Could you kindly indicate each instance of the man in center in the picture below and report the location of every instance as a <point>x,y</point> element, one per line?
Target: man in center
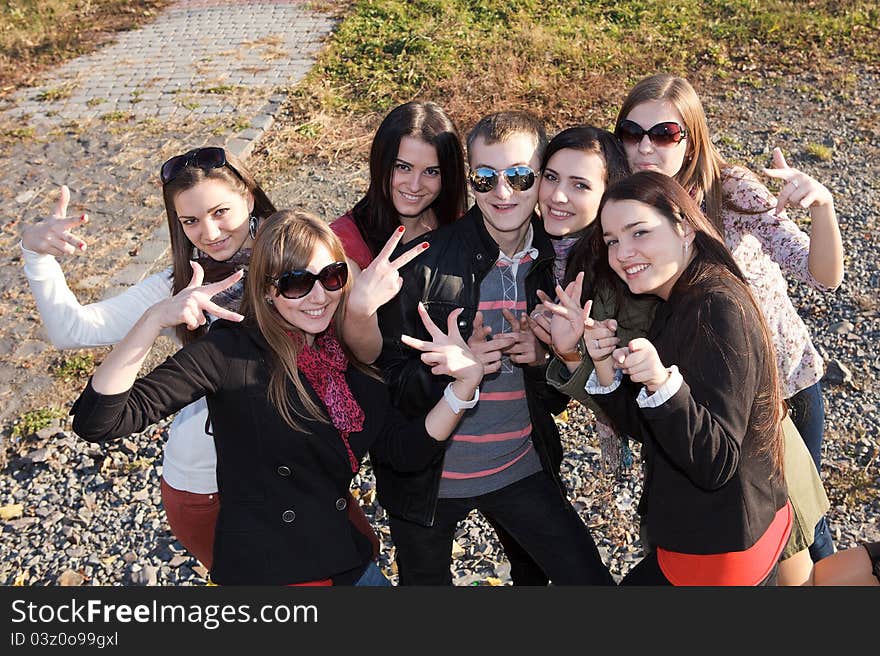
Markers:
<point>504,460</point>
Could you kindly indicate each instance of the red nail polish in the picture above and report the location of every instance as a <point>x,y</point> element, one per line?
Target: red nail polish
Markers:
<point>401,229</point>
<point>425,245</point>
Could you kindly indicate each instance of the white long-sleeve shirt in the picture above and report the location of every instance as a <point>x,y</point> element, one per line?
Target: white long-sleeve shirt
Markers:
<point>189,462</point>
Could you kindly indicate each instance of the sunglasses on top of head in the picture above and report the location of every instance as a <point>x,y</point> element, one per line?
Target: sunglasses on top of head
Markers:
<point>484,179</point>
<point>212,157</point>
<point>664,134</point>
<point>299,282</point>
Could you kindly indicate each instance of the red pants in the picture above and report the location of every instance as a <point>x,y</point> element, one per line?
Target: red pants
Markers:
<point>192,518</point>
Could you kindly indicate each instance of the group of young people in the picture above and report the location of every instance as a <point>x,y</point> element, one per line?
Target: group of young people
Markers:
<point>635,271</point>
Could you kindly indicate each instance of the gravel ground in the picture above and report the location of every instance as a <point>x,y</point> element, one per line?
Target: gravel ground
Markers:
<point>92,516</point>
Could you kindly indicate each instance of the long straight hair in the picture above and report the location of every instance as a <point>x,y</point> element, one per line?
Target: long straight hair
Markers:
<point>236,176</point>
<point>712,265</point>
<point>375,215</point>
<point>286,241</point>
<point>704,169</point>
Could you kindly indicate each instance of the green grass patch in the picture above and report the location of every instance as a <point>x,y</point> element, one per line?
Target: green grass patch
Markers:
<point>55,93</point>
<point>820,151</point>
<point>568,60</point>
<point>30,422</point>
<point>74,366</point>
<point>19,133</point>
<point>221,89</point>
<point>117,116</point>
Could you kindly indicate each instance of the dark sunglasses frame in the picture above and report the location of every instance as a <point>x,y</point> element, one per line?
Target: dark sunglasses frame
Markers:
<point>303,279</point>
<point>662,134</point>
<point>210,157</point>
<point>484,179</point>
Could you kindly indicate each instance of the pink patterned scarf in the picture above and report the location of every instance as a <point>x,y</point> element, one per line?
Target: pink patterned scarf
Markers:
<point>324,364</point>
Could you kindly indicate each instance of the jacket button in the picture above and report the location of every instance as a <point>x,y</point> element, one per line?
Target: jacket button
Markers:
<point>341,504</point>
<point>479,257</point>
<point>283,470</point>
<point>288,516</point>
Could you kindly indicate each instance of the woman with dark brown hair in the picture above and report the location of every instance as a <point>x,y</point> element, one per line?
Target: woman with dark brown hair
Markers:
<point>214,206</point>
<point>700,392</point>
<point>293,413</point>
<point>664,128</point>
<point>417,180</point>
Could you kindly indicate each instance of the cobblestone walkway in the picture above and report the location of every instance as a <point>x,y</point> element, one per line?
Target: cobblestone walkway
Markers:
<point>204,72</point>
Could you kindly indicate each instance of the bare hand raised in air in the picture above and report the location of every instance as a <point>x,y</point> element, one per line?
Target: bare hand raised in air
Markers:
<point>52,235</point>
<point>446,353</point>
<point>188,306</point>
<point>799,189</point>
<point>380,282</point>
<point>639,360</point>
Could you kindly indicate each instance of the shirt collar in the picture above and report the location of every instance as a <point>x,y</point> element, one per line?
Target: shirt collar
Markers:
<point>527,250</point>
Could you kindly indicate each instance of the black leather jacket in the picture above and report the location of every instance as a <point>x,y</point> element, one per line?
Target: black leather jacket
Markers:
<point>448,276</point>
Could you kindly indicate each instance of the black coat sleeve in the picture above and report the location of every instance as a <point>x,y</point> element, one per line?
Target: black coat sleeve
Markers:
<point>193,372</point>
<point>702,427</point>
<point>404,444</point>
<point>414,389</point>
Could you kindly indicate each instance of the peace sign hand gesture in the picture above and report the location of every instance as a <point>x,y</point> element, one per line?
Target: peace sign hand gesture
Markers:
<point>446,353</point>
<point>188,306</point>
<point>799,189</point>
<point>52,235</point>
<point>380,282</point>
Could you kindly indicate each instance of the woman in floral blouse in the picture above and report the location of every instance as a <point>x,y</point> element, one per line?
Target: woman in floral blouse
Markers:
<point>663,127</point>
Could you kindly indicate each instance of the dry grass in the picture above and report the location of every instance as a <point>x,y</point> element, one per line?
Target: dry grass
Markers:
<point>35,34</point>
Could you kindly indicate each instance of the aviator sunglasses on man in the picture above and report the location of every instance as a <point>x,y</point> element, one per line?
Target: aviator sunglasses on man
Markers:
<point>663,134</point>
<point>484,179</point>
<point>211,157</point>
<point>299,282</point>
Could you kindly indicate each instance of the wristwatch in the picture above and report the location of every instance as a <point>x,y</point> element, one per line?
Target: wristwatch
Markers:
<point>573,356</point>
<point>455,403</point>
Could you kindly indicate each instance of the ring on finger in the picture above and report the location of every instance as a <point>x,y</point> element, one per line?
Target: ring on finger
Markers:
<point>795,183</point>
<point>596,343</point>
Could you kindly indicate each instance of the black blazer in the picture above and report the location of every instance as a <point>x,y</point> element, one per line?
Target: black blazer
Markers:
<point>283,514</point>
<point>708,488</point>
<point>448,276</point>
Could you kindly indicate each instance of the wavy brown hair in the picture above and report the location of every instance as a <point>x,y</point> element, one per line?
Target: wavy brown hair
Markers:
<point>711,267</point>
<point>240,180</point>
<point>704,169</point>
<point>286,241</point>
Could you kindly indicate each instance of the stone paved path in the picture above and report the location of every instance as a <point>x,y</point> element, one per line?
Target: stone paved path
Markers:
<point>204,72</point>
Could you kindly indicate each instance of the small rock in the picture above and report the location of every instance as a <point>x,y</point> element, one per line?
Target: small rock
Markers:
<point>146,576</point>
<point>38,455</point>
<point>70,578</point>
<point>11,511</point>
<point>177,561</point>
<point>836,373</point>
<point>841,327</point>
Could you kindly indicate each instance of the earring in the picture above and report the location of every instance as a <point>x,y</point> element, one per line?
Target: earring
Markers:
<point>253,224</point>
<point>686,246</point>
<point>269,300</point>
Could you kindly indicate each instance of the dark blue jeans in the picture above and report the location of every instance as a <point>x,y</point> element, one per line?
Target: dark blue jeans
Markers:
<point>808,415</point>
<point>535,514</point>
